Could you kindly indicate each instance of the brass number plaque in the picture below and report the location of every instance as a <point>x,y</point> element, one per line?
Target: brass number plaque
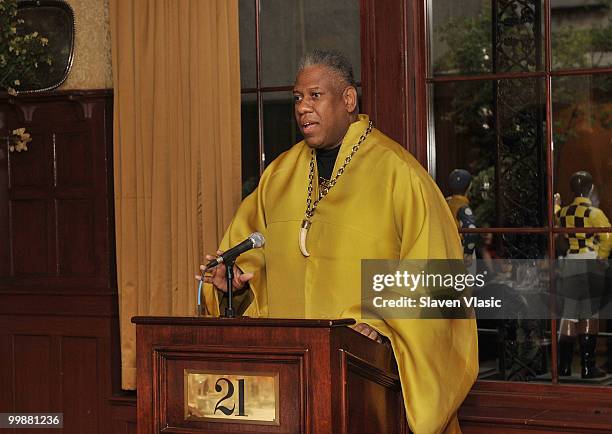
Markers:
<point>231,397</point>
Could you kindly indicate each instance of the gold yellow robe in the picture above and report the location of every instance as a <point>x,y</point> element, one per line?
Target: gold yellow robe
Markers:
<point>384,206</point>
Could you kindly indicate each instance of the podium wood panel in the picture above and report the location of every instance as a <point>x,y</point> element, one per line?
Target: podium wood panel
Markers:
<point>331,378</point>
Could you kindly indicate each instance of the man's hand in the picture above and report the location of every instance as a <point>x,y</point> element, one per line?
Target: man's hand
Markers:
<point>468,259</point>
<point>217,276</point>
<point>368,331</point>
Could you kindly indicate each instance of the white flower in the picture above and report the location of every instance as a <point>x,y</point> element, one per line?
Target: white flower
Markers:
<point>20,139</point>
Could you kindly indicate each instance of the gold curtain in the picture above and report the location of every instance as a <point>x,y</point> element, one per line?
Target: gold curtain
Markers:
<point>176,79</point>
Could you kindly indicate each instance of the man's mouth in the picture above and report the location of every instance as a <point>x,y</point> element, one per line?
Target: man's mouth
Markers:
<point>307,127</point>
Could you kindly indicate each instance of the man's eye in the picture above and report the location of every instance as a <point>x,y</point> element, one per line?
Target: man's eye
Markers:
<point>297,98</point>
<point>316,94</point>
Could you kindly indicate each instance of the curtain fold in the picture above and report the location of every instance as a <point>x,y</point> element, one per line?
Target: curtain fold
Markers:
<point>176,80</point>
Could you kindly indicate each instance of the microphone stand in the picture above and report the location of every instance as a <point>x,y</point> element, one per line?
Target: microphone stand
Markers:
<point>229,275</point>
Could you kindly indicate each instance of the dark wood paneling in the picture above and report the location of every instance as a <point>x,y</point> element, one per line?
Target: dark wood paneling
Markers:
<point>306,357</point>
<point>33,374</point>
<point>540,397</point>
<point>368,379</point>
<point>29,241</point>
<point>368,59</point>
<point>49,326</point>
<point>76,237</point>
<point>30,302</point>
<point>6,374</point>
<point>384,73</point>
<point>469,428</point>
<point>417,71</point>
<point>81,392</point>
<point>29,170</point>
<point>60,193</point>
<point>63,364</point>
<point>123,415</point>
<point>371,394</point>
<point>4,230</point>
<point>539,407</point>
<point>58,295</point>
<point>512,420</point>
<point>290,364</point>
<point>74,165</point>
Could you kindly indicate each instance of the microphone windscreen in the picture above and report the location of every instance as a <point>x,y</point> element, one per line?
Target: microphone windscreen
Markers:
<point>258,239</point>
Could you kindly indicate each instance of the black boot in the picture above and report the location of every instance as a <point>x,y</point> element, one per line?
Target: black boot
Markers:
<point>587,351</point>
<point>566,353</point>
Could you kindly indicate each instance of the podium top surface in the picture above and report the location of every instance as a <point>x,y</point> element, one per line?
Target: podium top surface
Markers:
<point>241,321</point>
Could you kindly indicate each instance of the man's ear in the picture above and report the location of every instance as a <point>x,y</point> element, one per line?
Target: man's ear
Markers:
<point>350,99</point>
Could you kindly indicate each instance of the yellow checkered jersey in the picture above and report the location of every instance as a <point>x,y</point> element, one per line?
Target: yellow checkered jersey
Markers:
<point>464,218</point>
<point>455,202</point>
<point>582,214</point>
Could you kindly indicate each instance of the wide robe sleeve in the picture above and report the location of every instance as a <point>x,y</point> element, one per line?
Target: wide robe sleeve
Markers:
<point>249,218</point>
<point>437,358</point>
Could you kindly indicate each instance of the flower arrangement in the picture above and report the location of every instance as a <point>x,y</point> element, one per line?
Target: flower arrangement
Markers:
<point>18,140</point>
<point>20,55</point>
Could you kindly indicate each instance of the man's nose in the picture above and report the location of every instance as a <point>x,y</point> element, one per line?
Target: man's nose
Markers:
<point>303,106</point>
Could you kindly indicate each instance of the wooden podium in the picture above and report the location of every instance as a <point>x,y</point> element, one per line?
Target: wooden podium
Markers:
<point>247,375</point>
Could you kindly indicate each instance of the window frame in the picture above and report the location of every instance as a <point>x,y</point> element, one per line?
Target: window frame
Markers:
<point>426,136</point>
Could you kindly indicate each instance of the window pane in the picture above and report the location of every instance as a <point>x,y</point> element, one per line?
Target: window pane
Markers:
<point>495,131</point>
<point>582,127</point>
<point>280,129</point>
<point>289,29</point>
<point>513,349</point>
<point>248,54</point>
<point>250,146</point>
<point>581,34</point>
<point>585,306</point>
<point>486,36</point>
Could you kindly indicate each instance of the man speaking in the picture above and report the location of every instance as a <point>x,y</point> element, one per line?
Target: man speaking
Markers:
<point>348,192</point>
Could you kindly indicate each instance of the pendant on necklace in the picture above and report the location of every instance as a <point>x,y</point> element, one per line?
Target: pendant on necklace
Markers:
<point>303,235</point>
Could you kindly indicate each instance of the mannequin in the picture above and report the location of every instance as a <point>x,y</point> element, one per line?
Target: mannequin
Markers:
<point>581,213</point>
<point>459,182</point>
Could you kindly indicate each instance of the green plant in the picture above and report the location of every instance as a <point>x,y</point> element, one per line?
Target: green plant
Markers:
<point>20,54</point>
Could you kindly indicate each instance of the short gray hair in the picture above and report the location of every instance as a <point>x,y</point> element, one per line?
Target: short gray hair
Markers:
<point>334,60</point>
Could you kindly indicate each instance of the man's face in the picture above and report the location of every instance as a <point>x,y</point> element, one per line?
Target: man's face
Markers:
<point>323,106</point>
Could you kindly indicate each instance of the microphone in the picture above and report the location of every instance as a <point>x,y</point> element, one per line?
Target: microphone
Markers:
<point>254,241</point>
